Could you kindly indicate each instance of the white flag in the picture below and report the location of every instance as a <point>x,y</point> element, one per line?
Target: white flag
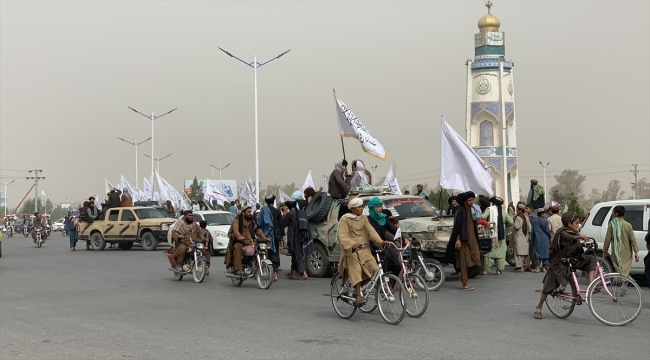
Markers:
<point>391,181</point>
<point>248,193</point>
<point>212,192</point>
<point>326,186</point>
<point>146,187</point>
<point>97,204</point>
<point>309,183</point>
<point>43,193</point>
<point>108,186</point>
<point>350,126</point>
<point>460,166</point>
<point>284,197</point>
<point>124,184</point>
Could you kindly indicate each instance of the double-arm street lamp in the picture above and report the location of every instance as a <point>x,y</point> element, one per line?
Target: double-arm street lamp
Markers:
<point>135,143</point>
<point>157,159</point>
<point>255,65</point>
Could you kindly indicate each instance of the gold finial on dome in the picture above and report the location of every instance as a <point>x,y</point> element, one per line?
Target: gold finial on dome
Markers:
<point>489,22</point>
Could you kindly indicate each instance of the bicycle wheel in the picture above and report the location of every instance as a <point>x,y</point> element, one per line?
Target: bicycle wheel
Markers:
<point>391,300</point>
<point>561,303</point>
<point>433,272</point>
<point>621,307</point>
<point>416,296</point>
<point>371,305</point>
<point>343,308</point>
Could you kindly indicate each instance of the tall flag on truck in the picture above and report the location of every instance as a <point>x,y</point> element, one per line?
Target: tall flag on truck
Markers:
<point>309,183</point>
<point>350,126</point>
<point>460,166</point>
<point>391,181</point>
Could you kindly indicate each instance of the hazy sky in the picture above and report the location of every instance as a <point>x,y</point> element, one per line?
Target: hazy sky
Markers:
<point>68,71</point>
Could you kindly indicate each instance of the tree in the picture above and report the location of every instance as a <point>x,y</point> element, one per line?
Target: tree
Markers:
<point>569,185</point>
<point>196,192</point>
<point>575,207</point>
<point>613,191</point>
<point>643,189</point>
<point>438,197</point>
<point>28,206</point>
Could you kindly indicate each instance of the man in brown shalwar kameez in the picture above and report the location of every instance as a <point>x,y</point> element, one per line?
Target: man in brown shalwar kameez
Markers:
<point>241,233</point>
<point>465,237</point>
<point>185,230</point>
<point>355,234</point>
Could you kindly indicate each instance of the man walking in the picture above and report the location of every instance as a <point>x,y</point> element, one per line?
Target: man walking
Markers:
<point>620,236</point>
<point>520,237</point>
<point>536,195</point>
<point>554,220</point>
<point>270,220</point>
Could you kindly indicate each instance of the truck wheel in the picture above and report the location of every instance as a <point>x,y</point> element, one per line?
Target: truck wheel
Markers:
<point>97,242</point>
<point>125,245</point>
<point>318,207</point>
<point>318,263</point>
<point>149,242</point>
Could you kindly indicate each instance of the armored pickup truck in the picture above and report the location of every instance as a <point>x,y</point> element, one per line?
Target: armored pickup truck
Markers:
<point>418,218</point>
<point>126,226</point>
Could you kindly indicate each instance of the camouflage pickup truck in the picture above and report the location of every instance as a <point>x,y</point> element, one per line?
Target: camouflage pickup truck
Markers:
<point>126,226</point>
<point>418,218</point>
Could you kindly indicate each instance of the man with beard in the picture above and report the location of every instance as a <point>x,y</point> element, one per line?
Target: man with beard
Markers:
<point>453,205</point>
<point>464,237</point>
<point>269,220</point>
<point>185,230</point>
<point>241,233</point>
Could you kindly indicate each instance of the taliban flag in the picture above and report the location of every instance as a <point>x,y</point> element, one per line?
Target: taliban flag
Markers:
<point>350,126</point>
<point>460,166</point>
<point>391,181</point>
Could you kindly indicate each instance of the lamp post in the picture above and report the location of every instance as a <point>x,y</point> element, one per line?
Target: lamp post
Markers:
<point>220,170</point>
<point>5,194</point>
<point>135,143</point>
<point>157,159</point>
<point>152,118</point>
<point>544,166</point>
<point>255,65</point>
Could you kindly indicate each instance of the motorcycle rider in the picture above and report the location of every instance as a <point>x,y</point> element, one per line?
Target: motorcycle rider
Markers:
<point>241,234</point>
<point>27,223</point>
<point>39,221</point>
<point>209,240</point>
<point>185,230</point>
<point>9,222</point>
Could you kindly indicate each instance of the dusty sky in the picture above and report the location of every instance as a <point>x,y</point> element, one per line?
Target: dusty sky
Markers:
<point>68,71</point>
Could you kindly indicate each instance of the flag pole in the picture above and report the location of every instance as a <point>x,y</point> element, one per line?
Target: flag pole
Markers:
<point>337,119</point>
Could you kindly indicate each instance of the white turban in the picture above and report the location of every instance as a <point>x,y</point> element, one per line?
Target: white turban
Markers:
<point>356,202</point>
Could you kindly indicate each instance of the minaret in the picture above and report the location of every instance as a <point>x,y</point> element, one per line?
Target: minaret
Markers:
<point>490,117</point>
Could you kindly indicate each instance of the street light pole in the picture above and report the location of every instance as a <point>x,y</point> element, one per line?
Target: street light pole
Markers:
<point>152,118</point>
<point>158,159</point>
<point>255,65</point>
<point>220,169</point>
<point>544,166</point>
<point>5,194</point>
<point>135,143</point>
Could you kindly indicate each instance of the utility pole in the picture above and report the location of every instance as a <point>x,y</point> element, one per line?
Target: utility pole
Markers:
<point>35,178</point>
<point>635,172</point>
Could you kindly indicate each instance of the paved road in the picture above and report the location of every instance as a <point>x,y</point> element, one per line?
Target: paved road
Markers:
<point>116,304</point>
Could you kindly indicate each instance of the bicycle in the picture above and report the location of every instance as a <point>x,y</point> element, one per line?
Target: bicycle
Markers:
<point>389,299</point>
<point>611,291</point>
<point>416,296</point>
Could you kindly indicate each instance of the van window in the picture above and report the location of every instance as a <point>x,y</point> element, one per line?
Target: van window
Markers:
<point>634,215</point>
<point>599,219</point>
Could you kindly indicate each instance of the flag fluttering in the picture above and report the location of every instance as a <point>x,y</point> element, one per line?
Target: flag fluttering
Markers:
<point>248,193</point>
<point>391,181</point>
<point>43,193</point>
<point>350,126</point>
<point>460,166</point>
<point>284,197</point>
<point>212,192</point>
<point>309,183</point>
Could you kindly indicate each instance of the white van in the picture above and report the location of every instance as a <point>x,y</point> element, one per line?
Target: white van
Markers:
<point>637,213</point>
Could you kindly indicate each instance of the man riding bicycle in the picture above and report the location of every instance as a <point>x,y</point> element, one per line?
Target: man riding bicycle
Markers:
<point>355,234</point>
<point>566,244</point>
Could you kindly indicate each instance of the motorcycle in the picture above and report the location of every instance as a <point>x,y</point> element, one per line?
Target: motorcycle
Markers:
<point>25,230</point>
<point>193,263</point>
<point>429,269</point>
<point>39,233</point>
<point>256,265</point>
<point>48,230</point>
<point>10,230</point>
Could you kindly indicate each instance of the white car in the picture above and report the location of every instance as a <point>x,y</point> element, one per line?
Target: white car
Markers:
<point>58,225</point>
<point>637,213</point>
<point>218,225</point>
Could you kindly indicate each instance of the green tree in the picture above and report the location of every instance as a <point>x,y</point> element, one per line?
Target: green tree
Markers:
<point>569,185</point>
<point>28,206</point>
<point>574,206</point>
<point>58,213</point>
<point>643,189</point>
<point>196,192</point>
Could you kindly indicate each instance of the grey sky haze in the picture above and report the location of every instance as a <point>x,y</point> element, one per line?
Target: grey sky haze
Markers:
<point>68,71</point>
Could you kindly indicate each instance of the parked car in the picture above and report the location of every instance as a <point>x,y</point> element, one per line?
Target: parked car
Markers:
<point>218,225</point>
<point>637,213</point>
<point>58,225</point>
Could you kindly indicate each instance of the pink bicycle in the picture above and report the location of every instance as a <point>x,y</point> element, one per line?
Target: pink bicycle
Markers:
<point>613,299</point>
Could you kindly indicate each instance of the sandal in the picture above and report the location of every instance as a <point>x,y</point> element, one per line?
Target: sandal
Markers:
<point>469,288</point>
<point>484,272</point>
<point>498,272</point>
<point>290,276</point>
<point>538,315</point>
